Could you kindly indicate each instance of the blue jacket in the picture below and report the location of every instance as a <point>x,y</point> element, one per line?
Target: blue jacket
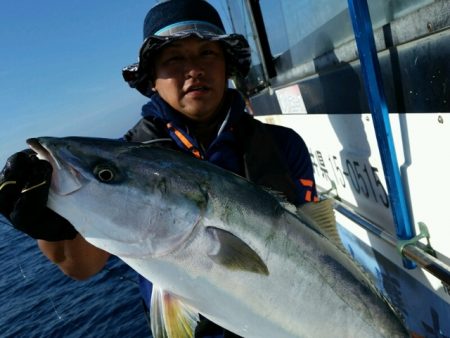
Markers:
<point>269,155</point>
<point>227,149</point>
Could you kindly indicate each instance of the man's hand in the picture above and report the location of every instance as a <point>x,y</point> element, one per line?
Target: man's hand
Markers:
<point>24,186</point>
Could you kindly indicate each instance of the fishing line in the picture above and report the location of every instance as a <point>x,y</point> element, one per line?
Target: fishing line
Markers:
<point>53,304</point>
<point>30,279</point>
<point>27,278</point>
<point>45,291</point>
<point>67,322</point>
<point>19,263</point>
<point>22,271</point>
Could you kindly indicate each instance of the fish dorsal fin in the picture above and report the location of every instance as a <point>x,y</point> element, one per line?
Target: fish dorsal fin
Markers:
<point>170,317</point>
<point>234,253</point>
<point>321,216</point>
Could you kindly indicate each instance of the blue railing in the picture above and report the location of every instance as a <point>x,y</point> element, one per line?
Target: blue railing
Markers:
<point>362,27</point>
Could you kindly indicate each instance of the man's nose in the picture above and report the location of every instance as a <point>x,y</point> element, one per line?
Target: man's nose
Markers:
<point>194,68</point>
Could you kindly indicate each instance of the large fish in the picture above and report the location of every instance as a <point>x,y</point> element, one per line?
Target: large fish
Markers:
<point>213,243</point>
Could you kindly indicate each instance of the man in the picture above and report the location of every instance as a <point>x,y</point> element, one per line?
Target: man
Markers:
<point>184,66</point>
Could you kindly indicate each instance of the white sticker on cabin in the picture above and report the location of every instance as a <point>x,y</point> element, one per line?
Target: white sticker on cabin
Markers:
<point>291,100</point>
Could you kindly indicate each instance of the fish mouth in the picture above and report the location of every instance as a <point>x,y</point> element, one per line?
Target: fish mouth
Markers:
<point>43,153</point>
<point>65,178</point>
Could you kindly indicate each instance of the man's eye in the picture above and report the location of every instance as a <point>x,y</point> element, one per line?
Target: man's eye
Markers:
<point>209,52</point>
<point>173,59</point>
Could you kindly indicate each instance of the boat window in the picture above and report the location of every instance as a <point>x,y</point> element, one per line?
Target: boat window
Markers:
<point>301,30</point>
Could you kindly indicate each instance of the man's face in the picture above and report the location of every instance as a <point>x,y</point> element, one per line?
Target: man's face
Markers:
<point>190,75</point>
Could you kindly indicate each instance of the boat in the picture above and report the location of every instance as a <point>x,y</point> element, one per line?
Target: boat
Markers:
<point>367,86</point>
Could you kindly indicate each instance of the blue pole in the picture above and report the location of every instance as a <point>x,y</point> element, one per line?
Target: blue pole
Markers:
<point>370,68</point>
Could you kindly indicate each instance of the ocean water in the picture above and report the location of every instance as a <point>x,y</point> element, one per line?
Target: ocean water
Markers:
<point>38,300</point>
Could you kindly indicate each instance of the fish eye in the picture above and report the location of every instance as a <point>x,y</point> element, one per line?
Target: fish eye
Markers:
<point>104,173</point>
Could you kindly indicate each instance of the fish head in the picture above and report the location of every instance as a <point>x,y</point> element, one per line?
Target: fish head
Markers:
<point>129,199</point>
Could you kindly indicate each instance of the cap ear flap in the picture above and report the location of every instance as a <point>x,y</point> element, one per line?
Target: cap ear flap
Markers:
<point>146,88</point>
<point>237,54</point>
<point>137,78</point>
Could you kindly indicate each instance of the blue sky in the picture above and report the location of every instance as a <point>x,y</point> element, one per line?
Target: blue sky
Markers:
<point>60,68</point>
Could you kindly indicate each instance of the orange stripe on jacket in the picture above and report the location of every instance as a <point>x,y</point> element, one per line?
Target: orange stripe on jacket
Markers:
<point>306,183</point>
<point>308,196</point>
<point>185,141</point>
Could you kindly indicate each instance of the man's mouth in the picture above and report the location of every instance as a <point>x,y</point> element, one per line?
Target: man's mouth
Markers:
<point>199,88</point>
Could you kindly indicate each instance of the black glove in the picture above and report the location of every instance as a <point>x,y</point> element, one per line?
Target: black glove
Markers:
<point>206,328</point>
<point>24,185</point>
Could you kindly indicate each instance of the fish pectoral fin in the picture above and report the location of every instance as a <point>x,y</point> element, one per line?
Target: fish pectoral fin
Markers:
<point>170,317</point>
<point>321,215</point>
<point>234,253</point>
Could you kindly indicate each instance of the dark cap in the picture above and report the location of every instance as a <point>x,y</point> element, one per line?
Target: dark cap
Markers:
<point>176,13</point>
<point>178,19</point>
